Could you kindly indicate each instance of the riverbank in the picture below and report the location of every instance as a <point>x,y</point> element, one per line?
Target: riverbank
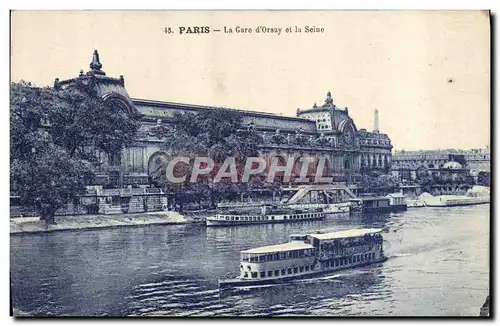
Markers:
<point>24,225</point>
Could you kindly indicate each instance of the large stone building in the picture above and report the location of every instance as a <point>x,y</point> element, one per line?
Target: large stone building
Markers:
<point>407,163</point>
<point>453,170</point>
<point>325,130</point>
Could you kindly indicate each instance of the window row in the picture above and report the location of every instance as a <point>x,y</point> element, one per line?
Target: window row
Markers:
<point>337,262</point>
<point>375,142</point>
<point>278,256</point>
<point>280,272</point>
<point>348,260</point>
<point>348,249</point>
<point>270,218</point>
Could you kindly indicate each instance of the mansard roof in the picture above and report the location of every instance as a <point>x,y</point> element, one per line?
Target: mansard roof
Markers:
<point>142,105</point>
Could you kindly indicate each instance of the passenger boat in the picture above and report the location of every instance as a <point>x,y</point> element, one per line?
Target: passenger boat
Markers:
<point>269,214</point>
<point>307,255</point>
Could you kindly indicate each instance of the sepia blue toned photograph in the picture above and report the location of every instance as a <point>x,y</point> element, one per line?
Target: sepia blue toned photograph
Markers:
<point>250,164</point>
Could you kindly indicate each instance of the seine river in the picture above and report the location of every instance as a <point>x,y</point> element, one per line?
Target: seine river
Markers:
<point>438,266</point>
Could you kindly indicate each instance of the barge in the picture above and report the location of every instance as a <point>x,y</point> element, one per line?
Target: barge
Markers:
<point>475,196</point>
<point>379,204</point>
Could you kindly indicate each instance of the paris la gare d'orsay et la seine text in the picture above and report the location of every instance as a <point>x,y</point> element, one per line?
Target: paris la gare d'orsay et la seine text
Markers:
<point>258,29</point>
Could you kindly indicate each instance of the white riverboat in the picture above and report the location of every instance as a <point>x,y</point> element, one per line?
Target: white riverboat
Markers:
<point>284,214</point>
<point>307,255</point>
<point>305,203</point>
<point>477,195</point>
<point>446,201</point>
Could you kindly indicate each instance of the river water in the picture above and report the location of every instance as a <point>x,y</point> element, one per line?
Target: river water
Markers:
<point>438,266</point>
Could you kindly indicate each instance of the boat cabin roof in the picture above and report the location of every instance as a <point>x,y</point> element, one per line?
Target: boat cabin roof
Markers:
<point>396,195</point>
<point>345,234</point>
<point>289,246</point>
<point>370,199</point>
<point>298,235</point>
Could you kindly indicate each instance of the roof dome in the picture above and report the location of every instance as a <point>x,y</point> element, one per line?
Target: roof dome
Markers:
<point>452,165</point>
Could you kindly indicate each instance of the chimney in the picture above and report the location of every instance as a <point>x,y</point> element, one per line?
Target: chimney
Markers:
<point>375,121</point>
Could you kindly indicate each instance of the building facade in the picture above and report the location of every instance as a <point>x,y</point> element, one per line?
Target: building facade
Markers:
<point>407,163</point>
<point>452,171</point>
<point>319,131</point>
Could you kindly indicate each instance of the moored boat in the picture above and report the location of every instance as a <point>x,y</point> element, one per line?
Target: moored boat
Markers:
<point>475,196</point>
<point>448,200</point>
<point>285,214</point>
<point>307,255</point>
<point>379,204</point>
<point>301,203</point>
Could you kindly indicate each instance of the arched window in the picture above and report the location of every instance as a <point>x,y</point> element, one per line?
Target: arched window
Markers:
<point>347,163</point>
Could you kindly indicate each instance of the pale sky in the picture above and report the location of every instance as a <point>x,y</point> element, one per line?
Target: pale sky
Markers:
<point>428,73</point>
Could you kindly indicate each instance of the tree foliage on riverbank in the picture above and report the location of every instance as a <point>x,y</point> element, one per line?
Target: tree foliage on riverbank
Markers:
<point>484,179</point>
<point>217,134</point>
<point>56,137</point>
<point>428,181</point>
<point>378,182</point>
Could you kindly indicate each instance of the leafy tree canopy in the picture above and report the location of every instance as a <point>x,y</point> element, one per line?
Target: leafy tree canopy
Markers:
<point>376,181</point>
<point>56,137</point>
<point>218,134</point>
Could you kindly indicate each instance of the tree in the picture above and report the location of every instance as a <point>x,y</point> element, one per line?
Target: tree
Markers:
<point>82,122</point>
<point>216,133</point>
<point>421,173</point>
<point>426,183</point>
<point>376,181</point>
<point>56,138</point>
<point>484,178</point>
<point>49,179</point>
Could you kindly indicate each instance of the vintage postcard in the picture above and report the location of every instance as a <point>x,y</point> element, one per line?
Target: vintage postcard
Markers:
<point>250,163</point>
